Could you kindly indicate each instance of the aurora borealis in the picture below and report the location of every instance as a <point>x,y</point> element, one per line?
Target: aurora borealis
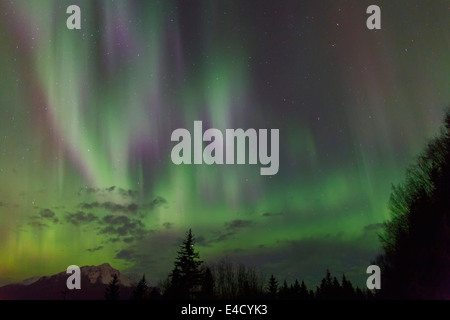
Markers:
<point>87,117</point>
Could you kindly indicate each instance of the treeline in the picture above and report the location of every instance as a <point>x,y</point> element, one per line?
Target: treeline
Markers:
<point>415,262</point>
<point>193,279</point>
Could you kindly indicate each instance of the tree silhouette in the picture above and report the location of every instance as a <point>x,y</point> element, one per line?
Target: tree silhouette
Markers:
<point>348,292</point>
<point>185,279</point>
<point>239,282</point>
<point>155,294</point>
<point>141,291</point>
<point>303,293</point>
<point>359,294</point>
<point>191,279</point>
<point>208,285</point>
<point>112,290</point>
<point>285,291</point>
<point>324,291</point>
<point>272,288</point>
<point>416,240</point>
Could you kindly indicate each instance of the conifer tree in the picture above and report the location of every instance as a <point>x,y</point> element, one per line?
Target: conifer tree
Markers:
<point>272,288</point>
<point>348,292</point>
<point>303,291</point>
<point>284,291</point>
<point>186,275</point>
<point>141,291</point>
<point>112,290</point>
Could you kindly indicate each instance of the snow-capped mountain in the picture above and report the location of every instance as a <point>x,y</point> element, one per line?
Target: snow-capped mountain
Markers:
<point>94,280</point>
<point>104,274</point>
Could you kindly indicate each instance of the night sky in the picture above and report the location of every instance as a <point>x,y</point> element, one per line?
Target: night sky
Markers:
<point>86,118</point>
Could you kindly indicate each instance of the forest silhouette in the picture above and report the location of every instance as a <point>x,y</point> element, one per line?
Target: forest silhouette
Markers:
<point>415,260</point>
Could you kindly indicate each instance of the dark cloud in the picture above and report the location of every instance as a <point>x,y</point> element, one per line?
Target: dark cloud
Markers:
<point>95,249</point>
<point>237,224</point>
<point>201,241</point>
<point>155,203</point>
<point>49,215</point>
<point>37,224</point>
<point>128,240</point>
<point>115,220</point>
<point>168,225</point>
<point>117,227</point>
<point>46,213</point>
<point>375,226</point>
<point>127,193</point>
<point>80,217</point>
<point>111,190</point>
<point>142,260</point>
<point>231,228</point>
<point>130,208</point>
<point>125,254</point>
<point>111,206</point>
<point>43,218</point>
<point>122,226</point>
<point>269,214</point>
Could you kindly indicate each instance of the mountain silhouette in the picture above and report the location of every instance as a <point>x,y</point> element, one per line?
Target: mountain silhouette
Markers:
<point>94,280</point>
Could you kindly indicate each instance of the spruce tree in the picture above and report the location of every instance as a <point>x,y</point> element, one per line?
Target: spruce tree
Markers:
<point>284,291</point>
<point>295,290</point>
<point>335,289</point>
<point>325,289</point>
<point>141,291</point>
<point>348,292</point>
<point>272,288</point>
<point>186,276</point>
<point>112,290</point>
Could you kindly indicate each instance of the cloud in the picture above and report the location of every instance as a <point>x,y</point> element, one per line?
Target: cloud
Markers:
<point>107,191</point>
<point>237,224</point>
<point>80,217</point>
<point>155,203</point>
<point>130,208</point>
<point>231,228</point>
<point>95,249</point>
<point>201,241</point>
<point>125,254</point>
<point>374,226</point>
<point>37,224</point>
<point>43,218</point>
<point>269,214</point>
<point>48,214</point>
<point>117,227</point>
<point>168,225</point>
<point>142,260</point>
<point>127,193</point>
<point>128,240</point>
<point>111,206</point>
<point>122,226</point>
